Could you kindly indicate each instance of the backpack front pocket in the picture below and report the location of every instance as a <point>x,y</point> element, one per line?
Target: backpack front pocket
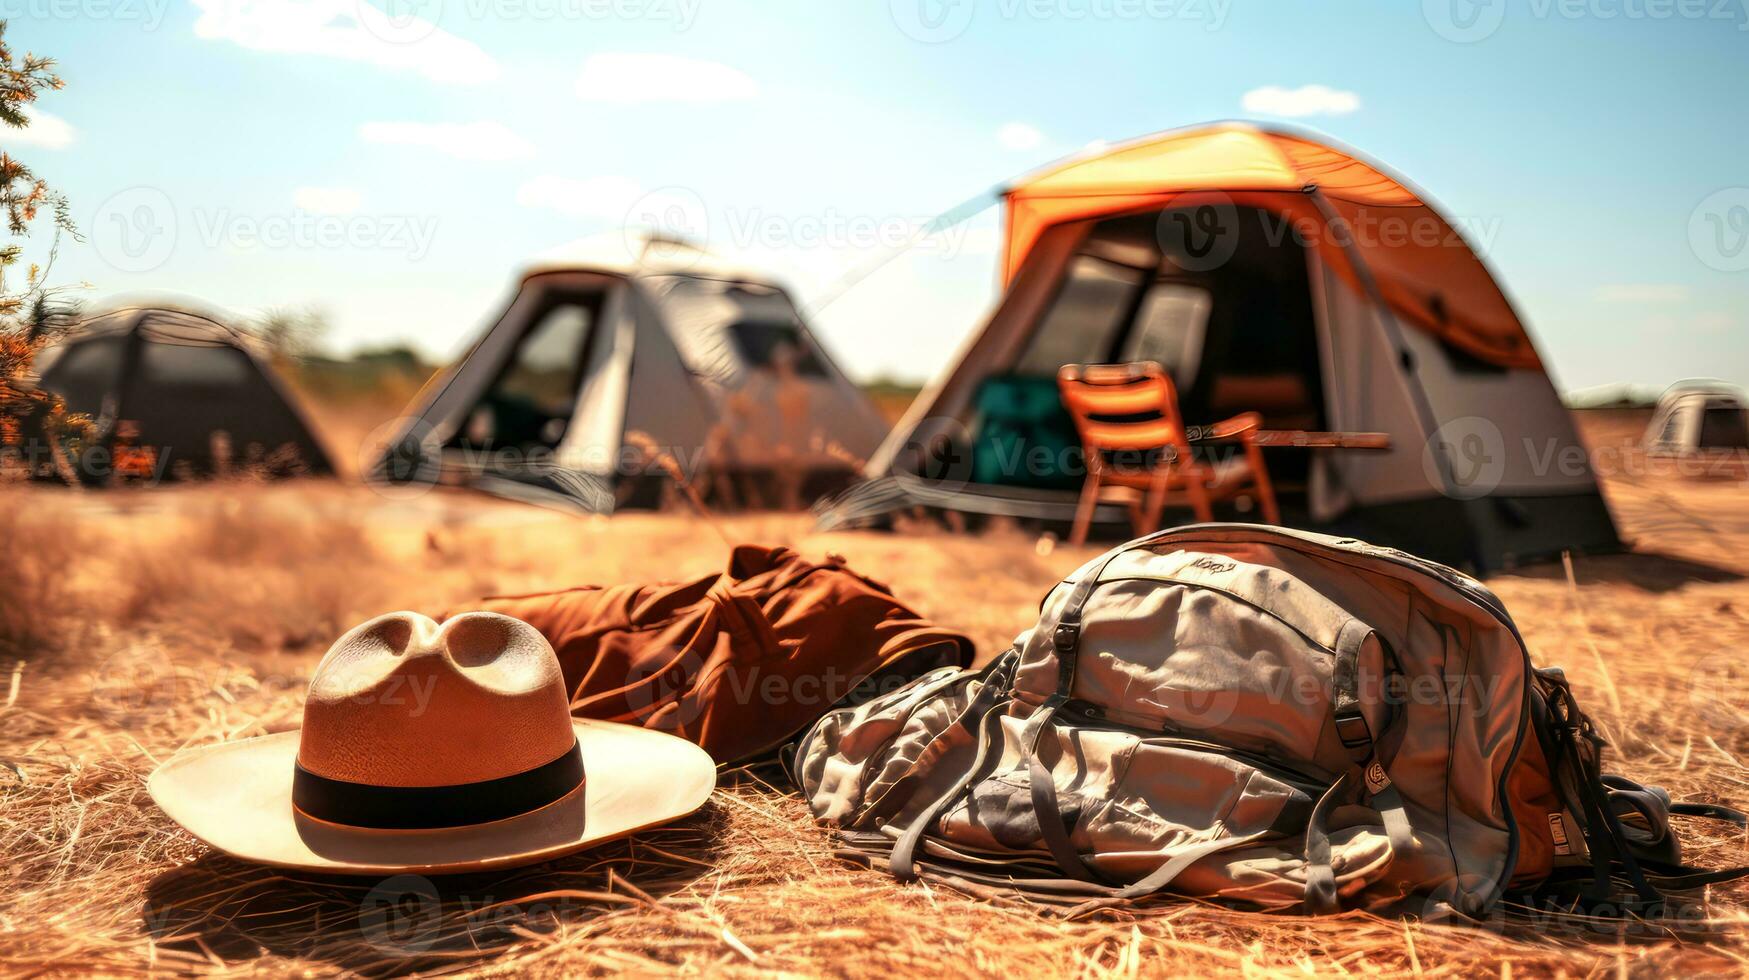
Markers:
<point>1131,803</point>
<point>1196,660</point>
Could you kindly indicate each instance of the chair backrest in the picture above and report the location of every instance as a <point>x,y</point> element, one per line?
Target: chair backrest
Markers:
<point>1119,407</point>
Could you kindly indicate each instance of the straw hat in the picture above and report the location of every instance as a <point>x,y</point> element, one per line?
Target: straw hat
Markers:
<point>432,748</point>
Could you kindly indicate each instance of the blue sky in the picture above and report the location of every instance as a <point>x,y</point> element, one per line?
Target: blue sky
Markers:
<point>393,165</point>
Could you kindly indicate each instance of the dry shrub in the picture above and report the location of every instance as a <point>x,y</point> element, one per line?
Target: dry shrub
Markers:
<point>250,570</point>
<point>39,550</point>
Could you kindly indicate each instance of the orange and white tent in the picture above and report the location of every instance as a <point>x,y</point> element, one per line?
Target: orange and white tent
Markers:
<point>1272,272</point>
<point>1423,270</point>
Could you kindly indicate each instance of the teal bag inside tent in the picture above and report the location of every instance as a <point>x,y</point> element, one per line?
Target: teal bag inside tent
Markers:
<point>1025,436</point>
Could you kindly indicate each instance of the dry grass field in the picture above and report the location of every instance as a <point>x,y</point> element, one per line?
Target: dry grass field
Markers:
<point>135,623</point>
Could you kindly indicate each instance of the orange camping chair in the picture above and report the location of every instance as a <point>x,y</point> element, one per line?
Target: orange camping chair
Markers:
<point>1133,408</point>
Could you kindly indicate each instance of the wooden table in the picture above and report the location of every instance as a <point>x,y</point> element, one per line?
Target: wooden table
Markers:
<point>1301,439</point>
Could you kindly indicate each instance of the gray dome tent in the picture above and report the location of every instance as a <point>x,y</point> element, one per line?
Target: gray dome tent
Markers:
<point>182,391</point>
<point>1699,417</point>
<point>599,379</point>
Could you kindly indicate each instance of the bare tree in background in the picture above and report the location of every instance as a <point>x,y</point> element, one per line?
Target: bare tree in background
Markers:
<point>32,317</point>
<point>291,332</point>
<point>22,193</point>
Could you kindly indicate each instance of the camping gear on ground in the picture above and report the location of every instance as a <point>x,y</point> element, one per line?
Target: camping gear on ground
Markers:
<point>1122,410</point>
<point>1268,272</point>
<point>176,393</point>
<point>428,749</point>
<point>1272,718</point>
<point>601,380</point>
<point>740,661</point>
<point>1700,418</point>
<point>1025,439</point>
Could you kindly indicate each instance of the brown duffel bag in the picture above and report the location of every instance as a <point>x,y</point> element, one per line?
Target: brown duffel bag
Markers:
<point>738,662</point>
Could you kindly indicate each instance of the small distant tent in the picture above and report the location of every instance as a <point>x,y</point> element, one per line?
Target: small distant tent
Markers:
<point>1267,272</point>
<point>601,381</point>
<point>177,394</point>
<point>1699,418</point>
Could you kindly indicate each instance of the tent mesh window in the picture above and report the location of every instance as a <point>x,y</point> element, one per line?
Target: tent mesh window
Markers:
<point>1090,308</point>
<point>188,366</point>
<point>1671,432</point>
<point>762,343</point>
<point>1170,329</point>
<point>1724,427</point>
<point>530,404</point>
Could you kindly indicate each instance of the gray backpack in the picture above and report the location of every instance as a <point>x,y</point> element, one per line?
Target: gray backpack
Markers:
<point>1269,718</point>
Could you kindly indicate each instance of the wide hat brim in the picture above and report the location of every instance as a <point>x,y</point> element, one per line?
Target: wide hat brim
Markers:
<point>237,797</point>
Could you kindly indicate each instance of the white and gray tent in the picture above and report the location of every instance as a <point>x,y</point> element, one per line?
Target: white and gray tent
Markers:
<point>599,379</point>
<point>1700,417</point>
<point>1269,272</point>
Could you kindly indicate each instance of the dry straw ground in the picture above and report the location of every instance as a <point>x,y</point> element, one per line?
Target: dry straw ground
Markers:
<point>136,623</point>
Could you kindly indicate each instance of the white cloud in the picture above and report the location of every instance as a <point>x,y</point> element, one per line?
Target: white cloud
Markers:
<point>1019,136</point>
<point>1307,100</point>
<point>349,29</point>
<point>327,200</point>
<point>49,132</point>
<point>623,77</point>
<point>482,140</point>
<point>1715,321</point>
<point>1642,292</point>
<point>592,197</point>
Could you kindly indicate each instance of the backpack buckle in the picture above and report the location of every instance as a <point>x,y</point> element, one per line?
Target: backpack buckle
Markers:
<point>1353,730</point>
<point>1066,636</point>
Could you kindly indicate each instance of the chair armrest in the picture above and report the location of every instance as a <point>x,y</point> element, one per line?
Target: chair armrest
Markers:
<point>1240,426</point>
